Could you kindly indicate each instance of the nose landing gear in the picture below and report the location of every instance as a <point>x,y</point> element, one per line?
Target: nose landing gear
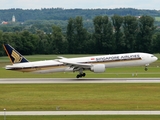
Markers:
<point>146,67</point>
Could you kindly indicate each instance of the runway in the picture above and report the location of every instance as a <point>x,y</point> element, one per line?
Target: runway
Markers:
<point>74,80</point>
<point>37,113</point>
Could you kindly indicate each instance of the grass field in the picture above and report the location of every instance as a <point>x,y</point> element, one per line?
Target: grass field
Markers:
<point>49,97</point>
<point>99,117</point>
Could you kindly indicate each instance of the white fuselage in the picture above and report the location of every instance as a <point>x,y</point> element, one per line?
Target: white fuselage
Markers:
<point>116,60</point>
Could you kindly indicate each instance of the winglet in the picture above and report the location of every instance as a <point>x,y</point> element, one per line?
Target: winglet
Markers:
<point>14,56</point>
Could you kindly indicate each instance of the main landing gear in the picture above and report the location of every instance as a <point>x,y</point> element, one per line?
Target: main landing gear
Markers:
<point>81,75</point>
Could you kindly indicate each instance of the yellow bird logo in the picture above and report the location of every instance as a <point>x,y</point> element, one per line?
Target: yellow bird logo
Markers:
<point>16,56</point>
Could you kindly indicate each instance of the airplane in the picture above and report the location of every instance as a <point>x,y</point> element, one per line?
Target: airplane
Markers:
<point>96,64</point>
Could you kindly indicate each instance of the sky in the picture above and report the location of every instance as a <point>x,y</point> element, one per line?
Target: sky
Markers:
<point>84,4</point>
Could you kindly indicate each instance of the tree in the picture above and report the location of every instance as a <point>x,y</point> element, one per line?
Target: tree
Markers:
<point>80,35</point>
<point>130,27</point>
<point>146,30</point>
<point>108,39</point>
<point>28,47</point>
<point>156,43</point>
<point>98,33</point>
<point>76,35</point>
<point>57,40</point>
<point>1,43</point>
<point>103,34</point>
<point>118,35</point>
<point>43,43</point>
<point>70,36</point>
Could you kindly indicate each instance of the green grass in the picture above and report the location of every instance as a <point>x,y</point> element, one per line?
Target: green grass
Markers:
<point>86,117</point>
<point>46,97</point>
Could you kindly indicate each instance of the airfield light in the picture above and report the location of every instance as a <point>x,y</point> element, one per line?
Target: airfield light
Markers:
<point>4,114</point>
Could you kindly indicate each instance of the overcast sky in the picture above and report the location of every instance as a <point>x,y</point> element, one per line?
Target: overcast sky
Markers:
<point>84,4</point>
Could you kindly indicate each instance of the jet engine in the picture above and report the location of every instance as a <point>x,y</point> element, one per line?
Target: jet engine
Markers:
<point>98,68</point>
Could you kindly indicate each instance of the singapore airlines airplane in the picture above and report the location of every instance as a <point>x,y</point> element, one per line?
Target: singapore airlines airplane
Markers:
<point>96,64</point>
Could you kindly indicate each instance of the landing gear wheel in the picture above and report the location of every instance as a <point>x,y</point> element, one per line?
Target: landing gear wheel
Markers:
<point>78,76</point>
<point>145,68</point>
<point>81,75</point>
<point>84,74</point>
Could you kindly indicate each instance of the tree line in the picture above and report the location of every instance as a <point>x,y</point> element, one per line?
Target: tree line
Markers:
<point>42,19</point>
<point>116,34</point>
<point>23,15</point>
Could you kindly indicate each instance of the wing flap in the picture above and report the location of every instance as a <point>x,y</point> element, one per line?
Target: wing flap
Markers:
<point>76,64</point>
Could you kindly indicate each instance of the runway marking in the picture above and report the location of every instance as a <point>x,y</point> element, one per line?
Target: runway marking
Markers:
<point>12,113</point>
<point>74,80</point>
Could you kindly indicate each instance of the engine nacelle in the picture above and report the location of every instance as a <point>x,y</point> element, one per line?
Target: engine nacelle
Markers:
<point>98,68</point>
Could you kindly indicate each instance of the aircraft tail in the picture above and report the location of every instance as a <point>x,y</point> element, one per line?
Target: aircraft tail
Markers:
<point>14,55</point>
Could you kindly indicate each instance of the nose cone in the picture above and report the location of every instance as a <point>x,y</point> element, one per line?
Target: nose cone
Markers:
<point>156,58</point>
<point>153,58</point>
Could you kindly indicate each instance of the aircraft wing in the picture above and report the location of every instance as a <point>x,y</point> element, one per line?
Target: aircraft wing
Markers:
<point>76,64</point>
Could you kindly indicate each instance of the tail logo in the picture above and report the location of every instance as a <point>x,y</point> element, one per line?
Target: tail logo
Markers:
<point>16,56</point>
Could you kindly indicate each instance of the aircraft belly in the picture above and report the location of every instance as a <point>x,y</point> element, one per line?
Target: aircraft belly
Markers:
<point>69,69</point>
<point>53,70</point>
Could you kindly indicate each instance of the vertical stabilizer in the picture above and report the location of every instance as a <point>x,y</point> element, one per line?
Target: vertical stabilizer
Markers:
<point>14,55</point>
